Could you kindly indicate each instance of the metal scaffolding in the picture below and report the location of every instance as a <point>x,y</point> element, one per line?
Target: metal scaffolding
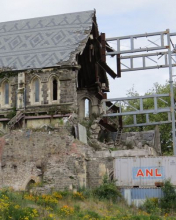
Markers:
<point>134,111</point>
<point>163,50</point>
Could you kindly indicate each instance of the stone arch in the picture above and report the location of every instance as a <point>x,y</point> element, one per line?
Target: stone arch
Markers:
<point>82,105</point>
<point>30,183</point>
<point>30,180</point>
<point>3,80</point>
<point>35,90</point>
<point>34,76</point>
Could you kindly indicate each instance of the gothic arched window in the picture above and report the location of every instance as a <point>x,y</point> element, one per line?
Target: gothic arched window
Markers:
<point>37,90</point>
<point>6,93</point>
<point>54,89</point>
<point>87,108</point>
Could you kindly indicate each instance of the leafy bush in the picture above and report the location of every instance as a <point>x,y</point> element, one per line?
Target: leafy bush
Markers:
<point>168,201</point>
<point>108,190</point>
<point>166,204</point>
<point>151,206</point>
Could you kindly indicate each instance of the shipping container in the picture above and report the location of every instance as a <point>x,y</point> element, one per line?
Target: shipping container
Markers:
<point>138,196</point>
<point>144,171</point>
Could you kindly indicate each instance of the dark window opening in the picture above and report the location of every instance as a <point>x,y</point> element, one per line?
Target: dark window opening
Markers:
<point>36,90</point>
<point>6,88</point>
<point>54,89</point>
<point>30,184</point>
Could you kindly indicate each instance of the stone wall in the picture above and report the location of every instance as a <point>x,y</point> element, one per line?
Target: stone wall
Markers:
<point>66,87</point>
<point>138,139</point>
<point>97,168</point>
<point>55,159</point>
<point>19,81</point>
<point>22,94</point>
<point>128,140</point>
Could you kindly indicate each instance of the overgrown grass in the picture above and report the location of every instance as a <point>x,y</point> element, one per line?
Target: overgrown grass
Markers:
<point>100,203</point>
<point>59,205</point>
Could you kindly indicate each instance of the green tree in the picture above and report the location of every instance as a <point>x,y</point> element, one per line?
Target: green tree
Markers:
<point>165,129</point>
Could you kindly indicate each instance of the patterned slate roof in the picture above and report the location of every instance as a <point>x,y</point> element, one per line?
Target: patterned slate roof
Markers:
<point>43,42</point>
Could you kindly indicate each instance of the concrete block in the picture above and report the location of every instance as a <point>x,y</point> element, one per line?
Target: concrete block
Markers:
<point>82,133</point>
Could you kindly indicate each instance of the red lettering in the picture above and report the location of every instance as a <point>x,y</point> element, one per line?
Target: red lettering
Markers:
<point>149,172</point>
<point>140,173</point>
<point>156,173</point>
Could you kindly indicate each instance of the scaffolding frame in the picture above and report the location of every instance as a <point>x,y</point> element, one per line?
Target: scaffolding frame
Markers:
<point>164,49</point>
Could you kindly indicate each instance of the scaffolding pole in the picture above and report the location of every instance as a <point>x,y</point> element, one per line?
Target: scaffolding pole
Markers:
<point>171,92</point>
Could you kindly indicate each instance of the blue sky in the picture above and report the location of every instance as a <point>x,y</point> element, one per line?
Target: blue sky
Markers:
<point>115,18</point>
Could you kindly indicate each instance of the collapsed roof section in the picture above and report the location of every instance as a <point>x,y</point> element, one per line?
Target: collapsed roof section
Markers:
<point>44,42</point>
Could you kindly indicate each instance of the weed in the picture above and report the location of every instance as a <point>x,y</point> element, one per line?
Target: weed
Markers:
<point>62,205</point>
<point>78,196</point>
<point>12,113</point>
<point>151,205</point>
<point>77,208</point>
<point>87,193</point>
<point>108,190</point>
<point>93,215</point>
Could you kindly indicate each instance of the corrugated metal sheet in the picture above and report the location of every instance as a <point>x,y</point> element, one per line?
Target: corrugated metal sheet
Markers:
<point>142,193</point>
<point>144,172</point>
<point>137,196</point>
<point>43,42</point>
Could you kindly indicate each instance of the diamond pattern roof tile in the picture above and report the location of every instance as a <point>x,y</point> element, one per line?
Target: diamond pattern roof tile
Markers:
<point>43,42</point>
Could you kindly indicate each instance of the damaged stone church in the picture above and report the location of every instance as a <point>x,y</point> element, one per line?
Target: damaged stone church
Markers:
<point>49,68</point>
